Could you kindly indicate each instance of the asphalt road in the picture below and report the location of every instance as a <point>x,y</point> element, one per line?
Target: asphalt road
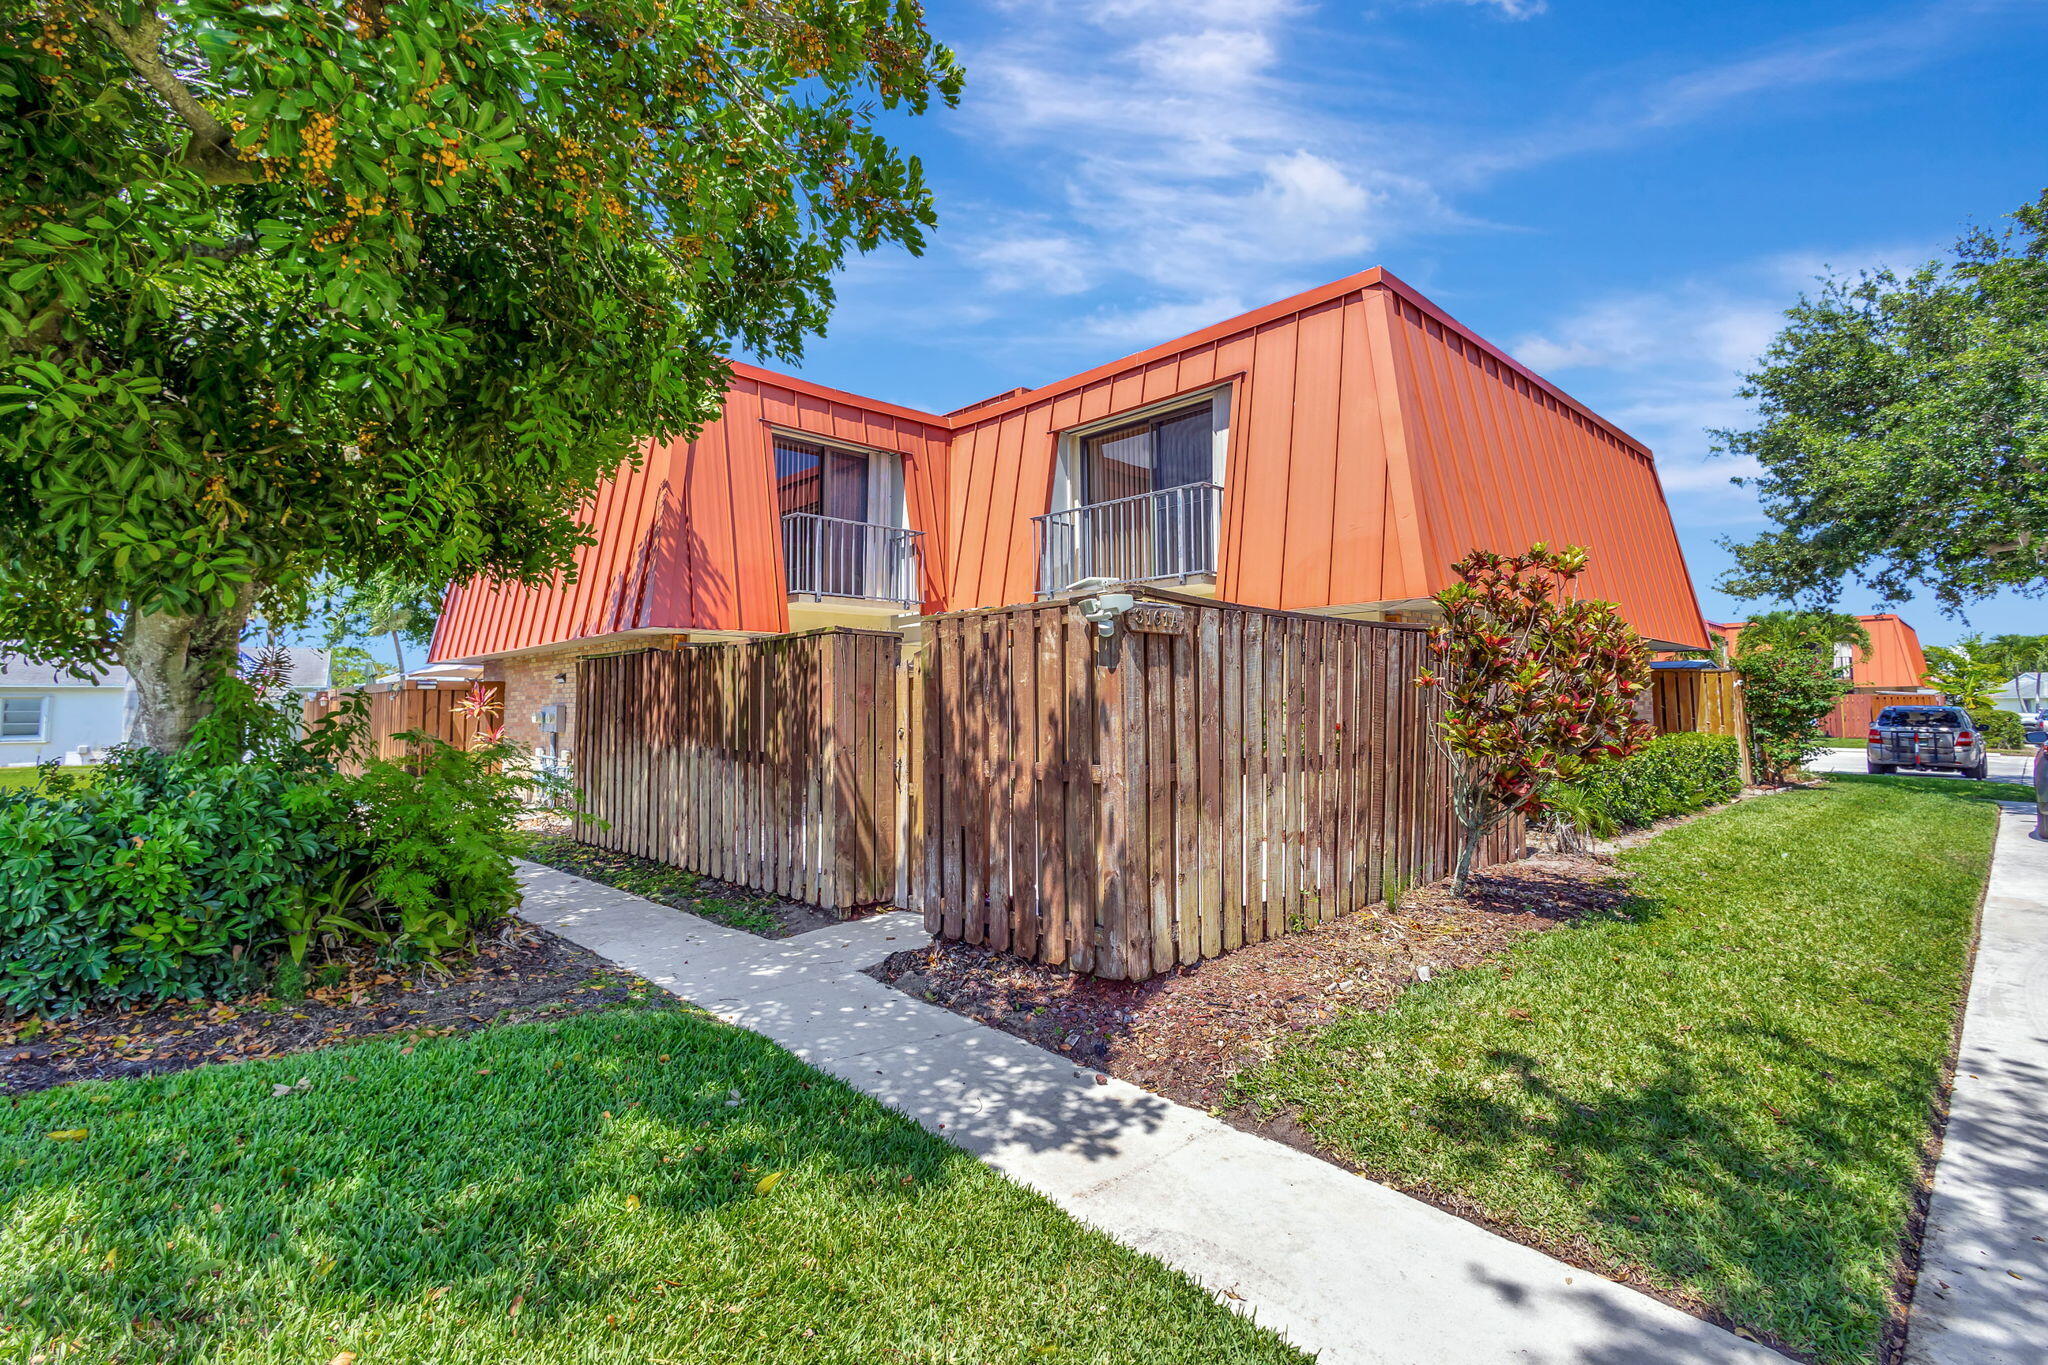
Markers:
<point>2004,767</point>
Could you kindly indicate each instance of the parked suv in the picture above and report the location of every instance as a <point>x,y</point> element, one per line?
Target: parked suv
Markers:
<point>1940,737</point>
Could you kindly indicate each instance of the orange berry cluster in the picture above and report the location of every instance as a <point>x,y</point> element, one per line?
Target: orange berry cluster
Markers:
<point>59,35</point>
<point>317,145</point>
<point>447,158</point>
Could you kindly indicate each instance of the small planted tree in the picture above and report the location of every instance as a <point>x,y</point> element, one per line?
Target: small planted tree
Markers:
<point>1538,687</point>
<point>1785,692</point>
<point>1968,677</point>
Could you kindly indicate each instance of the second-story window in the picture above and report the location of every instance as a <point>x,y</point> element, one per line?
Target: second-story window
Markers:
<point>821,480</point>
<point>1169,450</point>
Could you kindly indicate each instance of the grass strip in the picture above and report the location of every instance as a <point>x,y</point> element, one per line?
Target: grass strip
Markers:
<point>1722,1090</point>
<point>632,1186</point>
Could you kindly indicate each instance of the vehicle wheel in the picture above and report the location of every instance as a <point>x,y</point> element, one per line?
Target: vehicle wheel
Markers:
<point>1881,769</point>
<point>1982,772</point>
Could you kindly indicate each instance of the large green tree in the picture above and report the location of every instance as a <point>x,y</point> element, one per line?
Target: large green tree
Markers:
<point>1903,430</point>
<point>295,292</point>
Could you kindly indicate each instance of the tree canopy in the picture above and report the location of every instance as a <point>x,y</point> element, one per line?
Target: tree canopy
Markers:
<point>1903,432</point>
<point>292,292</point>
<point>1815,632</point>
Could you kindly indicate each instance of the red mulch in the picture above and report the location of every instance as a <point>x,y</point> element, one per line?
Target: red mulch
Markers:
<point>1185,1034</point>
<point>521,973</point>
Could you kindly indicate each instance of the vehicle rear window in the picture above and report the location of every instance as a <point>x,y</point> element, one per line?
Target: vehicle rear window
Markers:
<point>1920,715</point>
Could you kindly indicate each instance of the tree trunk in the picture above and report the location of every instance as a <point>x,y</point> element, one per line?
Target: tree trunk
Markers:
<point>173,661</point>
<point>1471,834</point>
<point>400,648</point>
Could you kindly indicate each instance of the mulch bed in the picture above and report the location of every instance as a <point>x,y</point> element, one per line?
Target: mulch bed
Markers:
<point>1185,1034</point>
<point>519,974</point>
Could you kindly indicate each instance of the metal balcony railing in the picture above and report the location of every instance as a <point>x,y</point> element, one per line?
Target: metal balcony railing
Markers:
<point>833,557</point>
<point>1167,534</point>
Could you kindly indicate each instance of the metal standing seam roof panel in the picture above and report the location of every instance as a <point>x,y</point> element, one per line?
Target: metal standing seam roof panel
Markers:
<point>691,540</point>
<point>1500,462</point>
<point>1372,441</point>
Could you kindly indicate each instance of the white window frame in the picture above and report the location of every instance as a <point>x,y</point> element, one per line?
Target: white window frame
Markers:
<point>1066,467</point>
<point>42,734</point>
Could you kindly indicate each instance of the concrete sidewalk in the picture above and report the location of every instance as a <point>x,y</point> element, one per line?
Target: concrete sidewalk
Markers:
<point>1982,1297</point>
<point>1342,1266</point>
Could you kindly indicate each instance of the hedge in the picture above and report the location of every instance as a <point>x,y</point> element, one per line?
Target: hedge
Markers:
<point>1670,775</point>
<point>2002,730</point>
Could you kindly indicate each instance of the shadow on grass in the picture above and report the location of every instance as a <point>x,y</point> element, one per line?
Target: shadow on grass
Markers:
<point>535,1183</point>
<point>1743,1207</point>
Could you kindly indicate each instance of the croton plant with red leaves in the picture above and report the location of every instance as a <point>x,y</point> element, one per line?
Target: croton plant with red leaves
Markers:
<point>1538,686</point>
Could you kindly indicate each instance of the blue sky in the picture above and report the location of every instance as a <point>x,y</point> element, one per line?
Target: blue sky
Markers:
<point>1625,195</point>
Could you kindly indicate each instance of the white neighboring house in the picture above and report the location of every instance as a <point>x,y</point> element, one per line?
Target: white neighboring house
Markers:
<point>52,713</point>
<point>47,712</point>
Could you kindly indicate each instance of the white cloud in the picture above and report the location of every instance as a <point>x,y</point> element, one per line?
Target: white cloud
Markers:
<point>1635,106</point>
<point>1137,164</point>
<point>1665,364</point>
<point>1509,9</point>
<point>1050,262</point>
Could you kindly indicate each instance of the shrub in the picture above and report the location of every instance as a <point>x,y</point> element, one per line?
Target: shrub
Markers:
<point>2002,730</point>
<point>1537,686</point>
<point>164,877</point>
<point>432,836</point>
<point>1786,692</point>
<point>1670,775</point>
<point>185,875</point>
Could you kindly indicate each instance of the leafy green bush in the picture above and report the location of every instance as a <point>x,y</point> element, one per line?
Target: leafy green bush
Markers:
<point>184,875</point>
<point>2002,729</point>
<point>1670,775</point>
<point>1785,693</point>
<point>433,835</point>
<point>163,877</point>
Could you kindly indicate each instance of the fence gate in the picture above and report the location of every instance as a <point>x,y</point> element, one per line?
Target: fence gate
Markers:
<point>1209,776</point>
<point>770,763</point>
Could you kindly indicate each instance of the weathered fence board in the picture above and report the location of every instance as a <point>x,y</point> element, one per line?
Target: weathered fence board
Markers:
<point>397,708</point>
<point>1127,804</point>
<point>1706,700</point>
<point>772,763</point>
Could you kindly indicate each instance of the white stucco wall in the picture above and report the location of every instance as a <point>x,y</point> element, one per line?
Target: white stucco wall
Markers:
<point>74,716</point>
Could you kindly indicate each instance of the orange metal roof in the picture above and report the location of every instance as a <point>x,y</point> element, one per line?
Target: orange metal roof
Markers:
<point>1373,441</point>
<point>1894,658</point>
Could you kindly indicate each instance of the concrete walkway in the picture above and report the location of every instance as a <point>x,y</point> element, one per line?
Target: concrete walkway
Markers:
<point>1342,1266</point>
<point>1982,1298</point>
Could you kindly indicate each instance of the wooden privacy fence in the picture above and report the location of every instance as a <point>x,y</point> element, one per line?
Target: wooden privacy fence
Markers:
<point>1209,776</point>
<point>1852,714</point>
<point>396,708</point>
<point>770,763</point>
<point>1705,700</point>
<point>1702,701</point>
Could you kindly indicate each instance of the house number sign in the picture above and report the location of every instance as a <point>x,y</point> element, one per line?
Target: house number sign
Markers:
<point>1156,620</point>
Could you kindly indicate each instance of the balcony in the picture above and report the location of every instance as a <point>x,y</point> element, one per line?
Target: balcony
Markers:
<point>833,557</point>
<point>1170,533</point>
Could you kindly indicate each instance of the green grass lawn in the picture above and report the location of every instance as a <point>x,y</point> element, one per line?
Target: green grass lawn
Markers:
<point>635,1186</point>
<point>27,777</point>
<point>1723,1090</point>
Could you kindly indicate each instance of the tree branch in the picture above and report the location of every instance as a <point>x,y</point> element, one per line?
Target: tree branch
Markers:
<point>212,150</point>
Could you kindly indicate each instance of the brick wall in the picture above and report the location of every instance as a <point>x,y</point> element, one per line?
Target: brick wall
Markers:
<point>534,680</point>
